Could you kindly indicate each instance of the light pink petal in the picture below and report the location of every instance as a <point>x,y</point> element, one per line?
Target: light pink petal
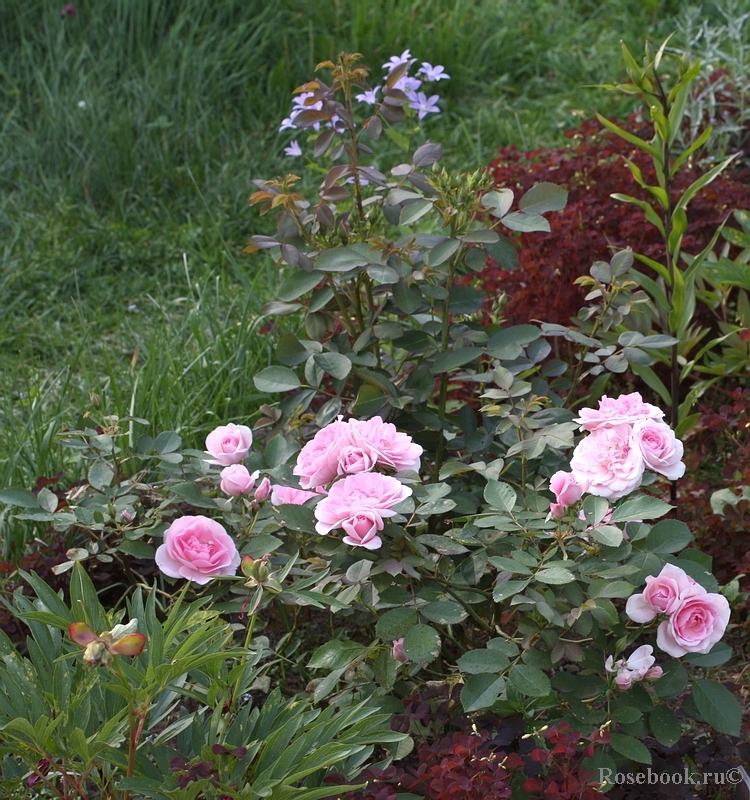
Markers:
<point>639,610</point>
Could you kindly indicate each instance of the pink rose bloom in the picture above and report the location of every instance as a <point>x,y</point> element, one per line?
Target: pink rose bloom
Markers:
<point>318,461</point>
<point>635,668</point>
<point>654,673</point>
<point>609,462</point>
<point>355,502</point>
<point>355,458</point>
<point>662,594</point>
<point>362,528</point>
<point>287,495</point>
<point>263,492</point>
<point>567,491</point>
<point>625,409</point>
<point>624,680</point>
<point>197,548</point>
<point>228,444</point>
<point>398,651</point>
<point>660,448</point>
<point>391,447</point>
<point>237,480</point>
<point>696,624</point>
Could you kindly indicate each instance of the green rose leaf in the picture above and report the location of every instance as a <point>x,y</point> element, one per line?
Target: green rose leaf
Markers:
<point>720,653</point>
<point>503,591</point>
<point>444,612</point>
<point>529,681</point>
<point>476,662</point>
<point>336,654</point>
<point>451,359</point>
<point>673,681</point>
<point>481,691</point>
<point>276,379</point>
<point>500,495</point>
<point>335,364</point>
<point>641,507</point>
<point>18,497</point>
<point>395,623</point>
<point>630,747</point>
<point>718,705</point>
<point>422,644</point>
<point>668,536</point>
<point>665,726</point>
<point>544,197</point>
<point>555,575</point>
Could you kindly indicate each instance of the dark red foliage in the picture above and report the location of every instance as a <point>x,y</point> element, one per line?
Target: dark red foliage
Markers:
<point>592,167</point>
<point>472,765</point>
<point>718,456</point>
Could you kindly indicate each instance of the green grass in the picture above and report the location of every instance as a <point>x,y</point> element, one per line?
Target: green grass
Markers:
<point>129,138</point>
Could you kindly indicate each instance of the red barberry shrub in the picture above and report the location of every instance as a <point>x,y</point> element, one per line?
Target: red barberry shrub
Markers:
<point>591,168</point>
<point>494,762</point>
<point>718,457</point>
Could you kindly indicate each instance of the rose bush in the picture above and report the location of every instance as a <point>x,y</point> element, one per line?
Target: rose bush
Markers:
<point>481,544</point>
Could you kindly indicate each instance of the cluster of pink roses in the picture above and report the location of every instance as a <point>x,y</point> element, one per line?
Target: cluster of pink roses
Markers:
<point>696,619</point>
<point>347,448</point>
<point>344,454</point>
<point>228,445</point>
<point>199,548</point>
<point>626,437</point>
<point>640,665</point>
<point>341,462</point>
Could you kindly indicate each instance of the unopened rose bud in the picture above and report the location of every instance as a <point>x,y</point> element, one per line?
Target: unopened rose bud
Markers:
<point>398,651</point>
<point>263,492</point>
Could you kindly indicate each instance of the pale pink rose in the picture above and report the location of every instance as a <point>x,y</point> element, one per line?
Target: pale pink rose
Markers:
<point>391,447</point>
<point>641,660</point>
<point>368,493</point>
<point>237,480</point>
<point>654,673</point>
<point>287,495</point>
<point>695,625</point>
<point>362,529</point>
<point>609,462</point>
<point>661,449</point>
<point>263,492</point>
<point>557,510</point>
<point>355,458</point>
<point>625,409</point>
<point>566,490</point>
<point>662,594</point>
<point>197,548</point>
<point>229,444</point>
<point>318,461</point>
<point>624,680</point>
<point>640,665</point>
<point>398,650</point>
